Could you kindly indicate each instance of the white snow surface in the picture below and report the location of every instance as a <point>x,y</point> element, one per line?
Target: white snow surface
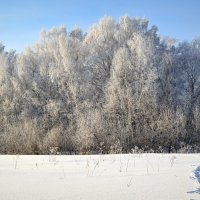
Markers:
<point>100,177</point>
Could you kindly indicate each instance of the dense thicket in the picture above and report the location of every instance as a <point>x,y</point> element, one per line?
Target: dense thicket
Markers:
<point>117,87</point>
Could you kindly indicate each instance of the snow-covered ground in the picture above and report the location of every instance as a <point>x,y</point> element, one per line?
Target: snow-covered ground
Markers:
<point>100,177</point>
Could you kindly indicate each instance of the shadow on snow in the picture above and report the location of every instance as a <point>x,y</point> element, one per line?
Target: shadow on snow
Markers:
<point>197,176</point>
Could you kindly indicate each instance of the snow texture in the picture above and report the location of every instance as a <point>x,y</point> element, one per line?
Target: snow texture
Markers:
<point>100,177</point>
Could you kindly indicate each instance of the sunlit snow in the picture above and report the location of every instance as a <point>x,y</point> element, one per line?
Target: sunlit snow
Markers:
<point>100,177</point>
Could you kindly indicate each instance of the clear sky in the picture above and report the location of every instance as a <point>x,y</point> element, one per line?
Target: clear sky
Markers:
<point>22,20</point>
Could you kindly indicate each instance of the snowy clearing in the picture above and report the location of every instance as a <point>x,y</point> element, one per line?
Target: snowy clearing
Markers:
<point>100,177</point>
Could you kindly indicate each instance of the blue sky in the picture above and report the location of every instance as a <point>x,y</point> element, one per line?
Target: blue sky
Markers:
<point>22,20</point>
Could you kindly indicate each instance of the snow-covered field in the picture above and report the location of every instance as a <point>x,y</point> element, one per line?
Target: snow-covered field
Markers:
<point>100,177</point>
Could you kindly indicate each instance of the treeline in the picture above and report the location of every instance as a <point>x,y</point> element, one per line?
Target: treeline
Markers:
<point>117,88</point>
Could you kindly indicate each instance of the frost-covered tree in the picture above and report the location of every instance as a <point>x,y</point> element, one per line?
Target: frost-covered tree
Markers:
<point>189,62</point>
<point>99,47</point>
<point>118,86</point>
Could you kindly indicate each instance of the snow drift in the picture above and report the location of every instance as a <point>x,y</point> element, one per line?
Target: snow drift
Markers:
<point>116,177</point>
